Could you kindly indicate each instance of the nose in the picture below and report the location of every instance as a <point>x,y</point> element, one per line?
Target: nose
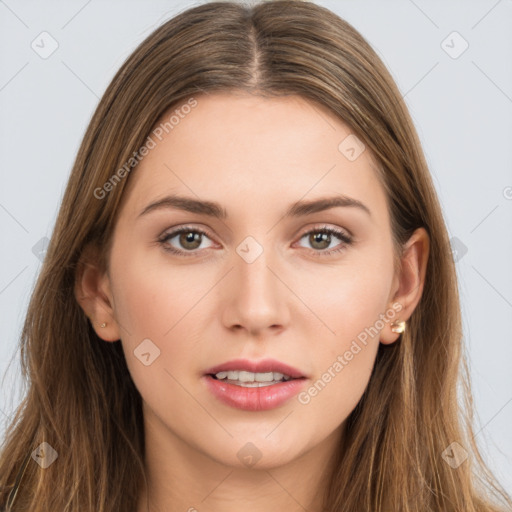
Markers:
<point>255,297</point>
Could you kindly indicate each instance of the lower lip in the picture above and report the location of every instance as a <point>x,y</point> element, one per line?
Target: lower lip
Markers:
<point>254,399</point>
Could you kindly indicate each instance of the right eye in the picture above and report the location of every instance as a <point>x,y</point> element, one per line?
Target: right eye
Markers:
<point>189,238</point>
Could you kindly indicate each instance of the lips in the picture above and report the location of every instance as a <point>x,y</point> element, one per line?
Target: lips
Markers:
<point>254,396</point>
<point>263,366</point>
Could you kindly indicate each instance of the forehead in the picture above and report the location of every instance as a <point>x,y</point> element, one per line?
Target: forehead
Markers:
<point>262,150</point>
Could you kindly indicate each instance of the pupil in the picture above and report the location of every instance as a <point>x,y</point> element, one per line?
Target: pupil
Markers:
<point>321,237</point>
<point>190,238</point>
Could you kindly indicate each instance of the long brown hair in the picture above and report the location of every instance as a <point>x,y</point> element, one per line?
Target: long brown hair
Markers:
<point>81,399</point>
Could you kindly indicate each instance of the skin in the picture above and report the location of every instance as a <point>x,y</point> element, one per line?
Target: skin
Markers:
<point>255,157</point>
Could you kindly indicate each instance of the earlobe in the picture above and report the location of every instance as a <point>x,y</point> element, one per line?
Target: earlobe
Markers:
<point>394,330</point>
<point>411,282</point>
<point>93,293</point>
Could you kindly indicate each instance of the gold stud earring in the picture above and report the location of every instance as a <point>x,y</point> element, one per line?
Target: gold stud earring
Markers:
<point>103,324</point>
<point>398,327</point>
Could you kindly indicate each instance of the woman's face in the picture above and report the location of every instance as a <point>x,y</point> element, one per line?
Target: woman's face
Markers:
<point>265,281</point>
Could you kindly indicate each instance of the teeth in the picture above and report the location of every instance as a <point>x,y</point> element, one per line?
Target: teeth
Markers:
<point>244,376</point>
<point>252,384</point>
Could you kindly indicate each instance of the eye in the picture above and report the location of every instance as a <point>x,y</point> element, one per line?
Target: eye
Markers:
<point>189,239</point>
<point>322,238</point>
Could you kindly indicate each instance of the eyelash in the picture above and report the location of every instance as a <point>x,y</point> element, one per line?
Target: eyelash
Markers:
<point>345,239</point>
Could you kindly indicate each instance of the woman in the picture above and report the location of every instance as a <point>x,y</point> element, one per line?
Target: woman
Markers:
<point>249,298</point>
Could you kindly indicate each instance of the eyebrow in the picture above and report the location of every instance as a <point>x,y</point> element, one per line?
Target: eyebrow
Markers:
<point>215,210</point>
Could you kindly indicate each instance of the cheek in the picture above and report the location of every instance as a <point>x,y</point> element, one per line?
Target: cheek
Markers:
<point>155,302</point>
<point>157,307</point>
<point>343,361</point>
<point>348,299</point>
<point>352,302</point>
<point>334,394</point>
<point>153,297</point>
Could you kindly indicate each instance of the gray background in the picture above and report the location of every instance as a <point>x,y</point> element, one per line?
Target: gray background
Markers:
<point>461,106</point>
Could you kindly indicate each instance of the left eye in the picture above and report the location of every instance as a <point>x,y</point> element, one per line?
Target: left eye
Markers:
<point>191,239</point>
<point>322,238</point>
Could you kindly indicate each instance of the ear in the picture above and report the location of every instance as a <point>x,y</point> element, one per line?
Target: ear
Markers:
<point>93,293</point>
<point>408,285</point>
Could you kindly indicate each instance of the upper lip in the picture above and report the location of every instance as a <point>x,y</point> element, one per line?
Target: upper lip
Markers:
<point>262,366</point>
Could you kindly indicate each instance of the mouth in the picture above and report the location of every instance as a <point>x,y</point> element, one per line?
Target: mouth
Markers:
<point>252,373</point>
<point>254,385</point>
<point>248,379</point>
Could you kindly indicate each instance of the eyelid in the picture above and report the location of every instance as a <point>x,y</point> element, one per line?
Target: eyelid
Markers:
<point>328,227</point>
<point>344,235</point>
<point>174,231</point>
<point>319,226</point>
